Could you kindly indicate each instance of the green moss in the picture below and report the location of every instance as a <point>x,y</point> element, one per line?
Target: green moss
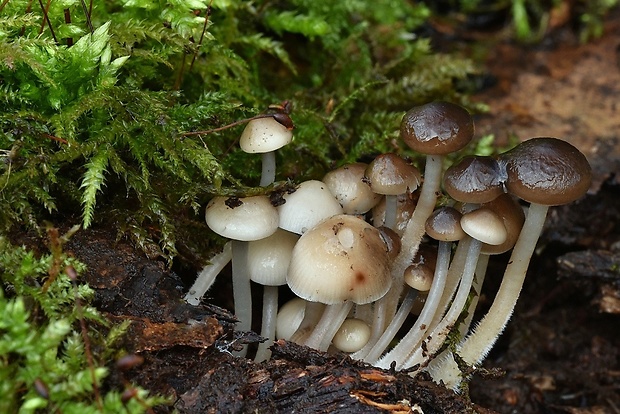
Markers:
<point>44,361</point>
<point>91,124</point>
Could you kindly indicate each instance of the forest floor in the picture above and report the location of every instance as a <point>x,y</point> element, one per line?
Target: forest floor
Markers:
<point>560,353</point>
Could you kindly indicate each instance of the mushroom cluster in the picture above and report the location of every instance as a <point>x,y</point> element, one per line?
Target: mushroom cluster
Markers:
<point>365,245</point>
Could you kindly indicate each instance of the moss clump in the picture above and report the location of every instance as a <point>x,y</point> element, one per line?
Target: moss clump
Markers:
<point>93,108</point>
<point>47,331</point>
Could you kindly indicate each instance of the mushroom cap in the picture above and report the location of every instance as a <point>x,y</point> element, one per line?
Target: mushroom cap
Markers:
<point>444,224</point>
<point>289,318</point>
<point>352,335</point>
<point>484,225</point>
<point>244,219</point>
<point>547,171</point>
<point>310,203</point>
<point>405,205</point>
<point>268,258</point>
<point>437,128</point>
<point>474,179</point>
<point>353,193</point>
<point>264,135</point>
<point>513,218</point>
<point>342,258</point>
<point>389,174</point>
<point>391,240</point>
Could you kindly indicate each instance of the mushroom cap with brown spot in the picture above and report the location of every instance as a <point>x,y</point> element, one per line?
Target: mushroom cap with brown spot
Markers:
<point>474,179</point>
<point>342,258</point>
<point>244,219</point>
<point>437,128</point>
<point>547,171</point>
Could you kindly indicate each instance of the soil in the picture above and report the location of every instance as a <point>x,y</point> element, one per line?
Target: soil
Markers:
<point>560,353</point>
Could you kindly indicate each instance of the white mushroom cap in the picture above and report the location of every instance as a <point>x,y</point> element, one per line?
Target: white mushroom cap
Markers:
<point>289,318</point>
<point>264,135</point>
<point>342,258</point>
<point>484,225</point>
<point>268,258</point>
<point>308,205</point>
<point>348,185</point>
<point>244,219</point>
<point>352,335</point>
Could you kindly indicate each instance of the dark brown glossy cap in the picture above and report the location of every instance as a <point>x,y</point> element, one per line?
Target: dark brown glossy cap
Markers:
<point>547,171</point>
<point>389,174</point>
<point>437,128</point>
<point>474,179</point>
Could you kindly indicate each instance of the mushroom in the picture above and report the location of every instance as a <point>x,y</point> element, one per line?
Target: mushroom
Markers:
<point>289,318</point>
<point>352,335</point>
<point>264,136</point>
<point>545,172</point>
<point>268,261</point>
<point>340,261</point>
<point>348,185</point>
<point>419,277</point>
<point>482,226</point>
<point>304,208</point>
<point>390,175</point>
<point>242,220</point>
<point>443,225</point>
<point>435,129</point>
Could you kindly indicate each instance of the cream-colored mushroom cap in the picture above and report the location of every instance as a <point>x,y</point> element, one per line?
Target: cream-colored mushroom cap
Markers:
<point>484,225</point>
<point>244,219</point>
<point>268,258</point>
<point>352,335</point>
<point>289,318</point>
<point>342,258</point>
<point>308,205</point>
<point>264,135</point>
<point>348,185</point>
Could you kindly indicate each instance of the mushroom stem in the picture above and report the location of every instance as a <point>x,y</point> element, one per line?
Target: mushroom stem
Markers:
<point>207,275</point>
<point>328,325</point>
<point>242,294</point>
<point>268,173</point>
<point>415,334</point>
<point>392,329</point>
<point>391,208</point>
<point>476,346</point>
<point>422,354</point>
<point>268,326</point>
<point>414,231</point>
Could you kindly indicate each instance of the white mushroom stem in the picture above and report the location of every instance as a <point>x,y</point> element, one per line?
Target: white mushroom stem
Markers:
<point>242,293</point>
<point>416,333</point>
<point>312,315</point>
<point>328,325</point>
<point>392,329</point>
<point>481,270</point>
<point>207,275</point>
<point>268,326</point>
<point>268,174</point>
<point>477,345</point>
<point>391,211</point>
<point>421,355</point>
<point>414,231</point>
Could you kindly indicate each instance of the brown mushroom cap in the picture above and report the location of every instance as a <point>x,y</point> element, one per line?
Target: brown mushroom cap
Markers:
<point>547,171</point>
<point>445,224</point>
<point>389,174</point>
<point>437,128</point>
<point>474,179</point>
<point>342,258</point>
